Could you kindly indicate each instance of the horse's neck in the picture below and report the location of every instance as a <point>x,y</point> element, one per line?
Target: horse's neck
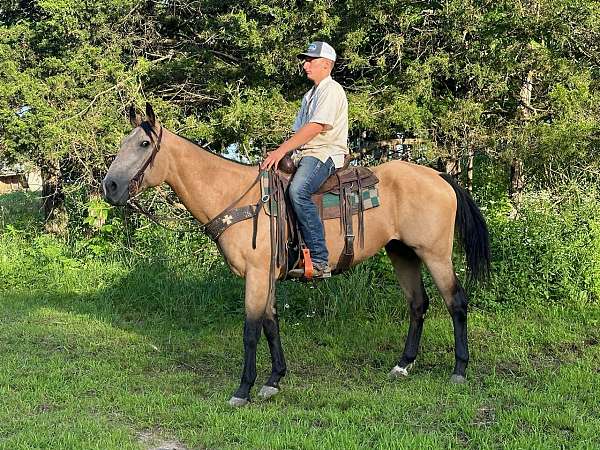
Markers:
<point>205,183</point>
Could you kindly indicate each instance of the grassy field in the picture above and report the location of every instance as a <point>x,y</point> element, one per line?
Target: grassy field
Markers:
<point>112,352</point>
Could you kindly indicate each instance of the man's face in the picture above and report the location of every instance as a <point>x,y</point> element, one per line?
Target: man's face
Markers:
<point>316,68</point>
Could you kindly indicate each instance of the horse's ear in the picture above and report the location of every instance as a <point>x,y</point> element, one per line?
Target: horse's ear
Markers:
<point>150,117</point>
<point>133,116</point>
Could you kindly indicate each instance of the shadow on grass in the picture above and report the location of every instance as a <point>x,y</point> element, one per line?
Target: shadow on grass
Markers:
<point>195,316</point>
<point>194,321</point>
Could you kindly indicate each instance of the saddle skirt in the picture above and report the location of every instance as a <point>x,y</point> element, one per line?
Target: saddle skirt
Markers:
<point>348,192</point>
<point>328,198</point>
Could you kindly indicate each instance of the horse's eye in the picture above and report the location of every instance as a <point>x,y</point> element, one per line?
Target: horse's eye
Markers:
<point>145,143</point>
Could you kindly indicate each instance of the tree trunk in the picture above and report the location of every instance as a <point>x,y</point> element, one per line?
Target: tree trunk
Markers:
<point>453,166</point>
<point>524,109</point>
<point>53,198</point>
<point>517,172</point>
<point>470,160</point>
<point>517,180</point>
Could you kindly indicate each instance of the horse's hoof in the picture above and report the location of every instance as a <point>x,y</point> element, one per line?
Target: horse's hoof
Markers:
<point>399,372</point>
<point>267,392</point>
<point>237,402</point>
<point>457,379</point>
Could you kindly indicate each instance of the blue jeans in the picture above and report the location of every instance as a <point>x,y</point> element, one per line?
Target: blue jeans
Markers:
<point>311,174</point>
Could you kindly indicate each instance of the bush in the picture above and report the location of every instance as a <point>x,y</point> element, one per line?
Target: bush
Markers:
<point>548,252</point>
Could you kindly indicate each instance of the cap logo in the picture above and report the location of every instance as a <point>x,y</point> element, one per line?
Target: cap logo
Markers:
<point>312,47</point>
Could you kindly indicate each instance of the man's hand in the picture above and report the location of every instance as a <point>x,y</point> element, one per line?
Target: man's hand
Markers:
<point>300,137</point>
<point>273,158</point>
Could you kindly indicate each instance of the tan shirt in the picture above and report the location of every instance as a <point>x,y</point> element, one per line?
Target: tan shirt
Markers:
<point>326,104</point>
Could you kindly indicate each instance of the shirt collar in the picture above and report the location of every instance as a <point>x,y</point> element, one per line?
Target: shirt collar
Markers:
<point>324,81</point>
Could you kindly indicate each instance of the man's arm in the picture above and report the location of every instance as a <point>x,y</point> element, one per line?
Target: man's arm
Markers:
<point>300,137</point>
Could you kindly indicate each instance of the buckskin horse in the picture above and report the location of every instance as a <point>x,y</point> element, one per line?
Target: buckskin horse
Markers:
<point>415,222</point>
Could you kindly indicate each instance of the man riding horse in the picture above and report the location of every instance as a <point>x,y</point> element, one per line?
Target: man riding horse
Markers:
<point>321,134</point>
<point>417,216</point>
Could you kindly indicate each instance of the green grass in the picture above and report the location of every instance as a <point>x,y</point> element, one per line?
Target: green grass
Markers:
<point>119,353</point>
<point>21,210</point>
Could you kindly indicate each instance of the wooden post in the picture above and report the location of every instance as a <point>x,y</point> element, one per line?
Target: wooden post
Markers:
<point>470,160</point>
<point>452,163</point>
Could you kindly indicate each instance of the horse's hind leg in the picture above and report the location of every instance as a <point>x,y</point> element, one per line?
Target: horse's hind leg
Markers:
<point>407,266</point>
<point>442,271</point>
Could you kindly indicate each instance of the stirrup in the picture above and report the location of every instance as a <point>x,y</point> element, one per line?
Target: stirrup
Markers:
<point>308,265</point>
<point>318,273</point>
<point>296,273</point>
<point>307,269</point>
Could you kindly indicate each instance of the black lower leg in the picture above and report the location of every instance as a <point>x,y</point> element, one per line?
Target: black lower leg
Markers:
<point>418,308</point>
<point>271,329</point>
<point>252,329</point>
<point>458,310</point>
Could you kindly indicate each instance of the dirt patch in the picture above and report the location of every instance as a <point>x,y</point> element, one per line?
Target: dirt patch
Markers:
<point>511,369</point>
<point>45,407</point>
<point>547,360</point>
<point>562,353</point>
<point>153,440</point>
<point>485,416</point>
<point>462,438</point>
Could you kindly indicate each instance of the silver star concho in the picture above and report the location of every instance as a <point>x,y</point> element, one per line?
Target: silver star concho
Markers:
<point>227,219</point>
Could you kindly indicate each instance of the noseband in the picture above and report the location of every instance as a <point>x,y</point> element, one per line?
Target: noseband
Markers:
<point>136,181</point>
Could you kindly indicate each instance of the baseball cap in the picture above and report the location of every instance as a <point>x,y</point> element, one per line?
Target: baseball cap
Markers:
<point>319,49</point>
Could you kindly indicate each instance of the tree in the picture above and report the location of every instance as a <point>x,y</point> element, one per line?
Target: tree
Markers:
<point>515,81</point>
<point>68,67</point>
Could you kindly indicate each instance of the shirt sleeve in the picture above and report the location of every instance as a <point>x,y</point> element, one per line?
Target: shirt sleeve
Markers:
<point>326,108</point>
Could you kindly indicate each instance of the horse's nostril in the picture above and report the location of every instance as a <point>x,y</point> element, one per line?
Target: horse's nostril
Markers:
<point>109,187</point>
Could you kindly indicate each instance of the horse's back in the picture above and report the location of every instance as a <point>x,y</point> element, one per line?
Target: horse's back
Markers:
<point>408,174</point>
<point>419,201</point>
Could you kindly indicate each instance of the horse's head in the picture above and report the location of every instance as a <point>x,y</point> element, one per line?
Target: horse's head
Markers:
<point>139,164</point>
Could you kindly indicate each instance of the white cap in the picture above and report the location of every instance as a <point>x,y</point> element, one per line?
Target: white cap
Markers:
<point>319,49</point>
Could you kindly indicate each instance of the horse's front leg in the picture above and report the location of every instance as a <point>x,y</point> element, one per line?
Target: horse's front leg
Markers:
<point>278,367</point>
<point>256,299</point>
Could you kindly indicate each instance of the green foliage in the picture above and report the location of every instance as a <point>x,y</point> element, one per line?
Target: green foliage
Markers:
<point>227,73</point>
<point>97,214</point>
<point>70,70</point>
<point>20,211</point>
<point>548,253</point>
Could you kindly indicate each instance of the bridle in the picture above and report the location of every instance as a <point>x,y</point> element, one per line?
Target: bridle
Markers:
<point>136,181</point>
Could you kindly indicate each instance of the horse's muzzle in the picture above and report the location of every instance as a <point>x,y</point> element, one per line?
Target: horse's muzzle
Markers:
<point>114,192</point>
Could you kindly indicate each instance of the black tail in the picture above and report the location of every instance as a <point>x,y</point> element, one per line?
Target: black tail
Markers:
<point>472,231</point>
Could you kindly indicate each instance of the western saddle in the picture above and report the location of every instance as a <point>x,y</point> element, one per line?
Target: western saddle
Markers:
<point>287,245</point>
